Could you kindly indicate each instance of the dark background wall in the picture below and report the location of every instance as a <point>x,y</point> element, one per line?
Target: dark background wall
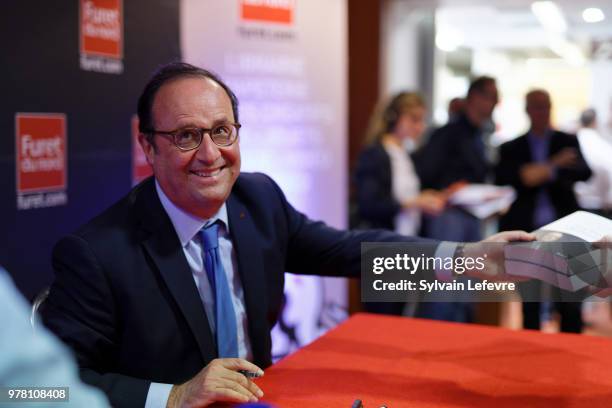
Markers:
<point>363,87</point>
<point>41,73</point>
<point>364,71</point>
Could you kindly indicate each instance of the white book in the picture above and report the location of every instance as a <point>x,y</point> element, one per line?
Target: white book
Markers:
<point>564,253</point>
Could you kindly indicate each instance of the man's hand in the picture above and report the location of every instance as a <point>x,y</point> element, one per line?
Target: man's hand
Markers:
<point>566,157</point>
<point>218,381</point>
<point>429,201</point>
<point>492,250</point>
<point>535,174</point>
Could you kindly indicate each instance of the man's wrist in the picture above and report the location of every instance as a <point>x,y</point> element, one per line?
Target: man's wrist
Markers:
<point>468,250</point>
<point>459,250</point>
<point>460,253</point>
<point>174,399</point>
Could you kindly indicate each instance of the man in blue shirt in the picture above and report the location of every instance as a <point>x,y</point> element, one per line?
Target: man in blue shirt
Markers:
<point>542,166</point>
<point>167,295</point>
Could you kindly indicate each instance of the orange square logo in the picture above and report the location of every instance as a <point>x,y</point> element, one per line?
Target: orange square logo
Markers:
<point>101,23</point>
<point>272,11</point>
<point>40,140</point>
<point>140,167</point>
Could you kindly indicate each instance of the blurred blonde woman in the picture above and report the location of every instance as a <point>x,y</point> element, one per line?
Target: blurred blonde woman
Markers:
<point>387,186</point>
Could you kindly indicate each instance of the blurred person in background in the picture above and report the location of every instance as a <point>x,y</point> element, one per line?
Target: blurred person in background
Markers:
<point>542,166</point>
<point>455,108</point>
<point>35,358</point>
<point>387,187</point>
<point>595,195</point>
<point>456,154</point>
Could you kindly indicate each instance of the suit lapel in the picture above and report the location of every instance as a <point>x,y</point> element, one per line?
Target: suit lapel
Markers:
<point>246,240</point>
<point>163,246</point>
<point>556,144</point>
<point>524,150</point>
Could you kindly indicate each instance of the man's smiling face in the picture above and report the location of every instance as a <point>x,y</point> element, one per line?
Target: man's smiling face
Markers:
<point>199,180</point>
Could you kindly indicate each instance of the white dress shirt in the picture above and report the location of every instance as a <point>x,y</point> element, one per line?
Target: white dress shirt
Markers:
<point>187,228</point>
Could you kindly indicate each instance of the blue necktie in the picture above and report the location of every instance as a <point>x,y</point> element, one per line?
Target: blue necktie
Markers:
<point>225,318</point>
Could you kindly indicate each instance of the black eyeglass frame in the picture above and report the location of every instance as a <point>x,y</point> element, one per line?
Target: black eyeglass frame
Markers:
<point>201,132</point>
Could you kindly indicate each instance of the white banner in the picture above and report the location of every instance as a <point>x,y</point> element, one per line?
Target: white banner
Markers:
<point>287,62</point>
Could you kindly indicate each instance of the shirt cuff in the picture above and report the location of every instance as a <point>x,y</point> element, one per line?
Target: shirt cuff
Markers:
<point>446,249</point>
<point>158,394</point>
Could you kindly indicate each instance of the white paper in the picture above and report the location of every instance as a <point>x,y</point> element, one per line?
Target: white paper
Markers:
<point>581,224</point>
<point>483,200</point>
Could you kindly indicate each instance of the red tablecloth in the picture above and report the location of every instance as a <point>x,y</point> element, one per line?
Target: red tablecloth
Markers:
<point>403,362</point>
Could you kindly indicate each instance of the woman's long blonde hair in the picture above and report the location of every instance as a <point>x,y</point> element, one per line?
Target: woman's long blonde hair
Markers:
<point>386,114</point>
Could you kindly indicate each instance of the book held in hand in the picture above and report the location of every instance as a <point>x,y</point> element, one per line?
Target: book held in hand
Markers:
<point>567,253</point>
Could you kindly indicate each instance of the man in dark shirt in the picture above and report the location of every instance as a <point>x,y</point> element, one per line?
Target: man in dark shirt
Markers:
<point>456,153</point>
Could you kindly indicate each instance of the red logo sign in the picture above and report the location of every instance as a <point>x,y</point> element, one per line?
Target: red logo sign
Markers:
<point>102,28</point>
<point>140,167</point>
<point>40,140</point>
<point>274,11</point>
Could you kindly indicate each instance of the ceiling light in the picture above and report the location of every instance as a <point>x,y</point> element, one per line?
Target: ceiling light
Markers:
<point>593,15</point>
<point>569,51</point>
<point>449,40</point>
<point>549,15</point>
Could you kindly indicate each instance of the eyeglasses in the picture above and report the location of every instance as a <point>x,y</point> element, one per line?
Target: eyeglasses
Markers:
<point>191,138</point>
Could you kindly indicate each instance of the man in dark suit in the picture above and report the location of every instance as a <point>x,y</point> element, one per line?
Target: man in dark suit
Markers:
<point>542,166</point>
<point>166,295</point>
<point>456,153</point>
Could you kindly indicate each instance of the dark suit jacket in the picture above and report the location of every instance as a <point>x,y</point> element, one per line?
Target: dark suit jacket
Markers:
<point>453,153</point>
<point>125,301</point>
<point>516,153</point>
<point>376,206</point>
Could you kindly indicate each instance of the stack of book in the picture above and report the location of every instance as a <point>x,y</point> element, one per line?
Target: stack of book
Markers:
<point>568,253</point>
